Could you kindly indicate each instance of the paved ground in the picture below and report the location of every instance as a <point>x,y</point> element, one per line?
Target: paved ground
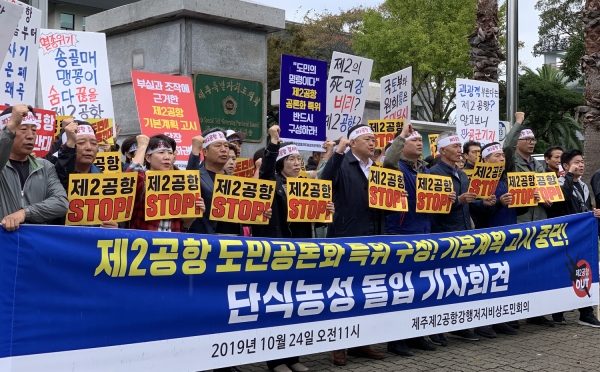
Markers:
<point>570,347</point>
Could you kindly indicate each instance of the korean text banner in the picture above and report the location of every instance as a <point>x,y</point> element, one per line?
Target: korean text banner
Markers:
<point>108,162</point>
<point>20,67</point>
<point>244,167</point>
<point>477,111</point>
<point>138,300</point>
<point>347,88</point>
<point>386,187</point>
<point>549,187</point>
<point>484,179</point>
<point>433,193</point>
<point>303,102</point>
<point>172,194</point>
<point>74,74</point>
<point>522,185</point>
<point>166,105</point>
<point>385,131</point>
<point>10,15</point>
<point>308,199</point>
<point>396,97</point>
<point>45,133</point>
<point>241,200</point>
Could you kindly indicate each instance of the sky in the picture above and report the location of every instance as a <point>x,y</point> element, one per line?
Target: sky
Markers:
<point>528,19</point>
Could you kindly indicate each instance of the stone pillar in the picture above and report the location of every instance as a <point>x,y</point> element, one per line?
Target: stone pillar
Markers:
<point>184,37</point>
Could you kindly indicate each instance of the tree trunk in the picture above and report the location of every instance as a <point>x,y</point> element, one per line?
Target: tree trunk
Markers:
<point>485,51</point>
<point>590,64</point>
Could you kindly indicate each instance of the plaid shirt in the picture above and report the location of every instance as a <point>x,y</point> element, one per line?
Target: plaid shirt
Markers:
<point>138,217</point>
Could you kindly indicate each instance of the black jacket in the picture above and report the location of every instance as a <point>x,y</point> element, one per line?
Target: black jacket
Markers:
<point>352,217</point>
<point>574,202</point>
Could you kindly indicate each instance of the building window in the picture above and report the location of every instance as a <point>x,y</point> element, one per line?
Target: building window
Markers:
<point>67,21</point>
<point>83,24</point>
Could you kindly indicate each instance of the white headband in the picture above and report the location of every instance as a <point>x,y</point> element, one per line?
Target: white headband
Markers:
<point>133,148</point>
<point>82,130</point>
<point>30,119</point>
<point>414,134</point>
<point>160,146</point>
<point>526,133</point>
<point>287,151</point>
<point>490,150</point>
<point>212,138</point>
<point>359,132</point>
<point>447,141</point>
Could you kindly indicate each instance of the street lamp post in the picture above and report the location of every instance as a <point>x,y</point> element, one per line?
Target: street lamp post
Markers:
<point>512,59</point>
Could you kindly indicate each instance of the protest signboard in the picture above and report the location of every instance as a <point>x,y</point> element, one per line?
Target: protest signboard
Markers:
<point>484,179</point>
<point>433,194</point>
<point>104,128</point>
<point>385,131</point>
<point>522,185</point>
<point>74,74</point>
<point>45,131</point>
<point>347,88</point>
<point>303,97</point>
<point>95,198</point>
<point>396,97</point>
<point>244,167</point>
<point>433,143</point>
<point>20,66</point>
<point>549,187</point>
<point>166,105</point>
<point>10,15</point>
<point>477,111</point>
<point>241,200</point>
<point>109,162</point>
<point>307,200</point>
<point>386,187</point>
<point>172,194</point>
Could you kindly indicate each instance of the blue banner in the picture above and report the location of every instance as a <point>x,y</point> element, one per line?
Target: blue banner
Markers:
<point>303,102</point>
<point>102,299</point>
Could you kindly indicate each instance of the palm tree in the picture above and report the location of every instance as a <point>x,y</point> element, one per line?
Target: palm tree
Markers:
<point>485,49</point>
<point>548,73</point>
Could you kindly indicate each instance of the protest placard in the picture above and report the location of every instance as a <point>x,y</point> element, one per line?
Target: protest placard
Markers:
<point>244,167</point>
<point>396,97</point>
<point>386,187</point>
<point>477,111</point>
<point>20,66</point>
<point>166,105</point>
<point>104,129</point>
<point>45,131</point>
<point>241,200</point>
<point>385,131</point>
<point>433,143</point>
<point>485,178</point>
<point>10,15</point>
<point>95,198</point>
<point>172,194</point>
<point>109,162</point>
<point>74,74</point>
<point>522,185</point>
<point>433,194</point>
<point>307,200</point>
<point>347,88</point>
<point>59,120</point>
<point>549,187</point>
<point>303,97</point>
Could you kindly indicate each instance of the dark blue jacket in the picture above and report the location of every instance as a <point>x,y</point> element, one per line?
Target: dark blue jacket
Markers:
<point>501,215</point>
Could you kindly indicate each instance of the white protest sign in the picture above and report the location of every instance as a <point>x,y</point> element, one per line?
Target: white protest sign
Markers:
<point>19,68</point>
<point>10,14</point>
<point>74,74</point>
<point>396,95</point>
<point>477,114</point>
<point>347,87</point>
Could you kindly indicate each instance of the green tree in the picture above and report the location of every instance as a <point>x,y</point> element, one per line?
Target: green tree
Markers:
<point>428,35</point>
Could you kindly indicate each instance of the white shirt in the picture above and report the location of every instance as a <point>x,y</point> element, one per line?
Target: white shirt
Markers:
<point>366,168</point>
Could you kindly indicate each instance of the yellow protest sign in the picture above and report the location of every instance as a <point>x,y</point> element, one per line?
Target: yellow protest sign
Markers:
<point>549,187</point>
<point>385,190</point>
<point>522,185</point>
<point>385,130</point>
<point>242,200</point>
<point>433,194</point>
<point>244,167</point>
<point>469,173</point>
<point>95,198</point>
<point>485,178</point>
<point>303,174</point>
<point>307,200</point>
<point>433,143</point>
<point>108,162</point>
<point>172,194</point>
<point>104,129</point>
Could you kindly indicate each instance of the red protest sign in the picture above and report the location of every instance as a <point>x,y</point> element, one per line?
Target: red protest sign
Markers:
<point>166,105</point>
<point>45,132</point>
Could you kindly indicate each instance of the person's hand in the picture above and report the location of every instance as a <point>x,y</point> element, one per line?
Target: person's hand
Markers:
<point>268,213</point>
<point>16,117</point>
<point>467,198</point>
<point>342,146</point>
<point>489,202</point>
<point>142,141</point>
<point>537,197</point>
<point>109,225</point>
<point>506,199</point>
<point>573,168</point>
<point>519,117</point>
<point>596,213</point>
<point>71,132</point>
<point>405,194</point>
<point>274,133</point>
<point>330,207</point>
<point>328,146</point>
<point>200,204</point>
<point>407,130</point>
<point>197,143</point>
<point>258,163</point>
<point>118,130</point>
<point>105,146</point>
<point>452,196</point>
<point>13,221</point>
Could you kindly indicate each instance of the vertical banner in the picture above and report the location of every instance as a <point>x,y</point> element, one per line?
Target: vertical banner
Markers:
<point>20,67</point>
<point>347,89</point>
<point>46,120</point>
<point>307,200</point>
<point>244,167</point>
<point>303,102</point>
<point>433,194</point>
<point>172,194</point>
<point>241,200</point>
<point>549,187</point>
<point>74,74</point>
<point>433,144</point>
<point>10,15</point>
<point>522,185</point>
<point>385,131</point>
<point>484,179</point>
<point>386,187</point>
<point>396,95</point>
<point>477,111</point>
<point>166,105</point>
<point>95,198</point>
<point>109,162</point>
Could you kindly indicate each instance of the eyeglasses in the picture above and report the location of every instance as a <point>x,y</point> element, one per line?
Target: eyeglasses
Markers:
<point>529,140</point>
